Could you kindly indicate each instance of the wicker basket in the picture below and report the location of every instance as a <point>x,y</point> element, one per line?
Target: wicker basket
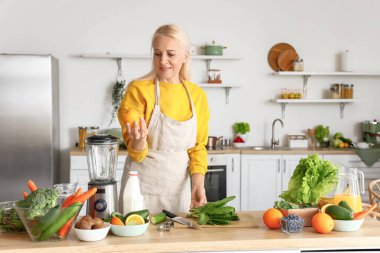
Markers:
<point>374,198</point>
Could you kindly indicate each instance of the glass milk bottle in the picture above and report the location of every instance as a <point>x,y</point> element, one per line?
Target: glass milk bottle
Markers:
<point>348,188</point>
<point>133,199</point>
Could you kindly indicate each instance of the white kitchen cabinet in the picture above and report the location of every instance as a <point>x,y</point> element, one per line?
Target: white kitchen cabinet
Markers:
<point>79,173</point>
<point>354,161</point>
<point>233,179</point>
<point>264,178</point>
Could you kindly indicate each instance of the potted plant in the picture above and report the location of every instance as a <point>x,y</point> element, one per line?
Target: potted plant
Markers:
<point>322,135</point>
<point>241,129</point>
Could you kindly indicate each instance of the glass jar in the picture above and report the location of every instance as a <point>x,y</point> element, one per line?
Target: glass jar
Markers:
<point>334,92</point>
<point>82,134</point>
<point>346,91</point>
<point>93,130</point>
<point>284,93</point>
<point>298,65</point>
<point>351,91</point>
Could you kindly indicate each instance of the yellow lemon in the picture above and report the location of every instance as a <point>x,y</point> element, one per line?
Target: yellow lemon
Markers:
<point>134,219</point>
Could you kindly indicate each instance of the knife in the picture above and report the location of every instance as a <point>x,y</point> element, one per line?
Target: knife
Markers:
<point>181,220</point>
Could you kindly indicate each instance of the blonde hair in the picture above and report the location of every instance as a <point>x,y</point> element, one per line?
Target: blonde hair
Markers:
<point>178,34</point>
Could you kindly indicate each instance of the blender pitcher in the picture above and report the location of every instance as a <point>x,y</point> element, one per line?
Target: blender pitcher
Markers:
<point>349,189</point>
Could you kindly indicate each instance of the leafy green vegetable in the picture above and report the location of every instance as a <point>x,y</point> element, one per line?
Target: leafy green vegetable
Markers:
<point>39,202</point>
<point>241,127</point>
<point>9,220</point>
<point>285,205</point>
<point>312,178</point>
<point>322,133</point>
<point>338,135</point>
<point>215,213</point>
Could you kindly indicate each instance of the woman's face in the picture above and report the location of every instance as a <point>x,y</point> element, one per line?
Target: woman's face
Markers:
<point>168,58</point>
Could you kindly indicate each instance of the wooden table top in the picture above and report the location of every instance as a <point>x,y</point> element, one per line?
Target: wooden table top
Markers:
<point>247,234</point>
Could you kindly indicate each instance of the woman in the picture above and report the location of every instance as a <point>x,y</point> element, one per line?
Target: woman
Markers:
<point>168,144</point>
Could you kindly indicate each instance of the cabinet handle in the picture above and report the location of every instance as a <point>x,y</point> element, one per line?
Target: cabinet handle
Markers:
<point>233,165</point>
<point>215,170</point>
<point>278,166</point>
<point>284,166</point>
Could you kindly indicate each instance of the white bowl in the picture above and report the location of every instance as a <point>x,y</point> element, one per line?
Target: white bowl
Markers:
<point>239,144</point>
<point>363,145</point>
<point>347,225</point>
<point>129,230</point>
<point>92,235</point>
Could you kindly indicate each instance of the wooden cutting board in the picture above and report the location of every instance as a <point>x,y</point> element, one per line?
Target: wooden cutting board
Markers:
<point>247,220</point>
<point>274,52</point>
<point>286,58</point>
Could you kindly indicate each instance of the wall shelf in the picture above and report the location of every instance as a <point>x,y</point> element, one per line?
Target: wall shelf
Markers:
<point>227,88</point>
<point>207,58</point>
<point>307,74</point>
<point>342,103</point>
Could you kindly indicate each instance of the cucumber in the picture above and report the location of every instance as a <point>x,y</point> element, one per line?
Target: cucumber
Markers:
<point>143,213</point>
<point>339,213</point>
<point>346,140</point>
<point>344,204</point>
<point>46,220</point>
<point>65,216</point>
<point>158,218</point>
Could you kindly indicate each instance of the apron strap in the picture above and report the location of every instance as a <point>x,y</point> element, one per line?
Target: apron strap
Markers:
<point>157,91</point>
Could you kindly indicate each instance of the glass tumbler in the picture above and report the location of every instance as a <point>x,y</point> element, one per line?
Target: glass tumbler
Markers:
<point>64,190</point>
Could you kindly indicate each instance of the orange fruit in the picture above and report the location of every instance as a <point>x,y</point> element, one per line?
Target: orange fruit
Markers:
<point>132,116</point>
<point>341,145</point>
<point>116,221</point>
<point>346,145</point>
<point>322,223</point>
<point>272,218</point>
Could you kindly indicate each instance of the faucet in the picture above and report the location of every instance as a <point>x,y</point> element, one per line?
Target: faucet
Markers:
<point>273,141</point>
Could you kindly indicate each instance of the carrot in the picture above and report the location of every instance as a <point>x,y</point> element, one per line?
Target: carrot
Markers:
<point>82,198</point>
<point>78,192</point>
<point>65,203</point>
<point>65,228</point>
<point>363,214</point>
<point>25,195</point>
<point>32,186</point>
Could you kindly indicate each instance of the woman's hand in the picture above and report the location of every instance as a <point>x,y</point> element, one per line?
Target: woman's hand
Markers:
<point>138,134</point>
<point>198,192</point>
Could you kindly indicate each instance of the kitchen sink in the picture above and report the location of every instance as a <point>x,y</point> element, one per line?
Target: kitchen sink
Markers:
<point>265,148</point>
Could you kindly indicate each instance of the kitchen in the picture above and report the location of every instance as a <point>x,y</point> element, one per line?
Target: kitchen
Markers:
<point>318,30</point>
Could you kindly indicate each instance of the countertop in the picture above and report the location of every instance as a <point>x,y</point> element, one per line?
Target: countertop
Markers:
<point>180,239</point>
<point>234,150</point>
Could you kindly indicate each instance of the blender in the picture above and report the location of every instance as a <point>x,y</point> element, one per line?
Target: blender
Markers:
<point>101,153</point>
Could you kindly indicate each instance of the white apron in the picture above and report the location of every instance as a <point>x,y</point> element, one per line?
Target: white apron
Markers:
<point>164,175</point>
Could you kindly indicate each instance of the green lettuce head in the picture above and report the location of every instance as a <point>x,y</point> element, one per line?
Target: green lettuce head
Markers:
<point>312,178</point>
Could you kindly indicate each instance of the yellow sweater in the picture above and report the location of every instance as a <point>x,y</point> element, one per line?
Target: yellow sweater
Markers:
<point>174,103</point>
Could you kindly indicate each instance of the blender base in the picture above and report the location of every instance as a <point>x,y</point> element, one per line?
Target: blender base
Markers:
<point>104,201</point>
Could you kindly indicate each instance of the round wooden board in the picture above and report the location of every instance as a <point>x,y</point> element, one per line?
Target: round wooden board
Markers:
<point>286,58</point>
<point>274,52</point>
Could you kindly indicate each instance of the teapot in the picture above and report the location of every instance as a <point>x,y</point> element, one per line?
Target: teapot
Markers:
<point>348,188</point>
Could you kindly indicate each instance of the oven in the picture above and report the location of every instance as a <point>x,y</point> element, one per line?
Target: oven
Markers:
<point>216,178</point>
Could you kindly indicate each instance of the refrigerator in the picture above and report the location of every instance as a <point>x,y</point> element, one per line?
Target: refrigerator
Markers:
<point>29,123</point>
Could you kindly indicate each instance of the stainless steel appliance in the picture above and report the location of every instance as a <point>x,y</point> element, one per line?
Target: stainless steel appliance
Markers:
<point>29,123</point>
<point>216,178</point>
<point>101,153</point>
<point>371,131</point>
